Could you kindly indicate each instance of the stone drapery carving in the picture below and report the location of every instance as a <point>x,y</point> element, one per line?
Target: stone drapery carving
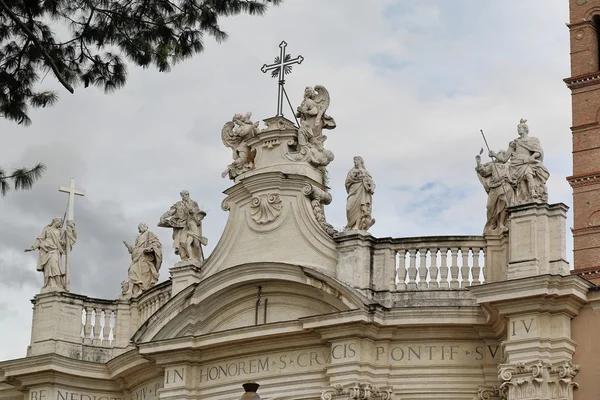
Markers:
<point>360,188</point>
<point>234,135</point>
<point>265,208</point>
<point>318,199</point>
<point>499,185</point>
<point>538,380</point>
<point>146,259</point>
<point>52,244</point>
<point>185,218</point>
<point>312,120</point>
<point>357,391</point>
<point>525,158</point>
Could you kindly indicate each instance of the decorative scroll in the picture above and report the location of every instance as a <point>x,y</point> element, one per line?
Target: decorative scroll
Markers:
<point>318,198</point>
<point>538,380</point>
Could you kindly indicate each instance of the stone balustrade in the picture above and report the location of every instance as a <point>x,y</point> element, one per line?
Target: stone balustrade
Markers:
<point>452,262</point>
<point>98,323</point>
<point>149,302</point>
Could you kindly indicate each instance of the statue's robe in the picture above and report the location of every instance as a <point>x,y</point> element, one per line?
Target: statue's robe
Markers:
<point>358,205</point>
<point>146,259</point>
<point>51,244</point>
<point>496,182</point>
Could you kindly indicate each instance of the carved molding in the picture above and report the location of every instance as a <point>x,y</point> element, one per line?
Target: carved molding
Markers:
<point>318,199</point>
<point>265,208</point>
<point>357,391</point>
<point>538,380</point>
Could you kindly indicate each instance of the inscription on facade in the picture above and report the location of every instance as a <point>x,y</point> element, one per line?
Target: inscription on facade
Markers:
<point>148,391</point>
<point>428,353</point>
<point>62,394</point>
<point>319,358</point>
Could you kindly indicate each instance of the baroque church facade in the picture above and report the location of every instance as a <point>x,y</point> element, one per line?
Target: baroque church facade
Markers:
<point>318,313</point>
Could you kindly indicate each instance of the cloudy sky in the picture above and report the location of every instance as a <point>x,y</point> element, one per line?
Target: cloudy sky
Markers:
<point>411,83</point>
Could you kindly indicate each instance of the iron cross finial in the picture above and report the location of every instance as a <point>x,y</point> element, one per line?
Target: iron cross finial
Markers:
<point>279,69</point>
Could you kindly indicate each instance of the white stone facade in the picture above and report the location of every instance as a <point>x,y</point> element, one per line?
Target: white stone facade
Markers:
<point>311,313</point>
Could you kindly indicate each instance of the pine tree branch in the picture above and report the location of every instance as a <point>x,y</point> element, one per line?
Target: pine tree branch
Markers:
<point>35,40</point>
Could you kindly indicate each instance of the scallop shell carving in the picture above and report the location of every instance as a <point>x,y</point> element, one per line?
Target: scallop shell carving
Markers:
<point>265,208</point>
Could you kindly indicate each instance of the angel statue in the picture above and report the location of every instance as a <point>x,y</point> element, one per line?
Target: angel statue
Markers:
<point>313,120</point>
<point>234,135</point>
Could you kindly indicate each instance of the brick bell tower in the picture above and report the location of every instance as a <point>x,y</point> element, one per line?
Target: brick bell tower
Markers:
<point>584,29</point>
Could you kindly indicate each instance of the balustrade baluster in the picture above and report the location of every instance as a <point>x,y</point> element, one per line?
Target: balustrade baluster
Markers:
<point>464,269</point>
<point>401,269</point>
<point>83,320</point>
<point>89,334</point>
<point>412,269</point>
<point>422,269</point>
<point>454,268</point>
<point>97,339</point>
<point>444,280</point>
<point>476,267</point>
<point>112,333</point>
<point>433,269</point>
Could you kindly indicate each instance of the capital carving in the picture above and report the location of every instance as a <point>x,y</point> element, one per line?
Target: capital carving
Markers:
<point>266,208</point>
<point>489,393</point>
<point>538,380</point>
<point>357,391</point>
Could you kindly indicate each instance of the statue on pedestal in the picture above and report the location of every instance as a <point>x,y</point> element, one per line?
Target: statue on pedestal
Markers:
<point>52,244</point>
<point>312,119</point>
<point>360,188</point>
<point>525,158</point>
<point>146,259</point>
<point>234,135</point>
<point>185,217</point>
<point>499,185</point>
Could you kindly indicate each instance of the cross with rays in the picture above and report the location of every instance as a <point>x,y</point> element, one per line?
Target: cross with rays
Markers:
<point>279,69</point>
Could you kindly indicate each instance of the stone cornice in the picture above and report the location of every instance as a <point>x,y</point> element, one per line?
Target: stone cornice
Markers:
<point>590,178</point>
<point>544,293</point>
<point>576,82</point>
<point>56,369</point>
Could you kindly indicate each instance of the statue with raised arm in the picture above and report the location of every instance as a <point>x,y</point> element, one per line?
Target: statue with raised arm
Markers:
<point>52,244</point>
<point>360,188</point>
<point>234,135</point>
<point>146,259</point>
<point>185,218</point>
<point>498,184</point>
<point>312,120</point>
<point>525,158</point>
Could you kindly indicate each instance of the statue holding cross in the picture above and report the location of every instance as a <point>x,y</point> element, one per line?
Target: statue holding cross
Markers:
<point>54,242</point>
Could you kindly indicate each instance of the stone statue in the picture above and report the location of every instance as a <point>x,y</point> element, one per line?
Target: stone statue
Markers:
<point>312,120</point>
<point>234,135</point>
<point>52,244</point>
<point>146,259</point>
<point>360,188</point>
<point>499,185</point>
<point>185,217</point>
<point>525,159</point>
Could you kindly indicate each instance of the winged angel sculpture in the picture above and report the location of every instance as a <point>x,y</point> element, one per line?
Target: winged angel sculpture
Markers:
<point>234,135</point>
<point>313,120</point>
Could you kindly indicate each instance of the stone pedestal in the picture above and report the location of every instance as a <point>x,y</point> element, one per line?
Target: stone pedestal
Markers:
<point>354,261</point>
<point>496,257</point>
<point>184,274</point>
<point>537,240</point>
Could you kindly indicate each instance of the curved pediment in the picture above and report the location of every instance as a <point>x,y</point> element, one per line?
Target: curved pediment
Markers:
<point>248,295</point>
